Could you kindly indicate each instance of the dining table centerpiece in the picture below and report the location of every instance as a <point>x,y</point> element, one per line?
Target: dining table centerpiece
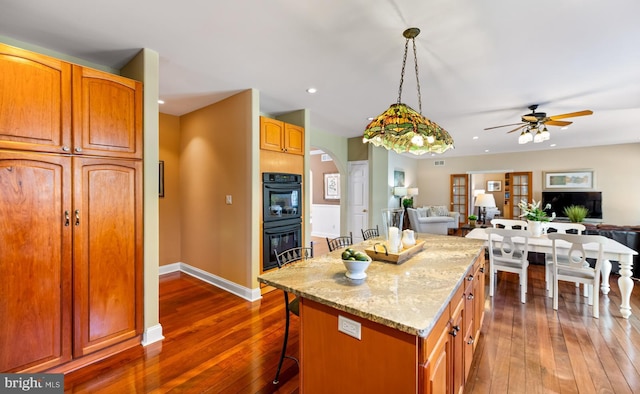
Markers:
<point>535,216</point>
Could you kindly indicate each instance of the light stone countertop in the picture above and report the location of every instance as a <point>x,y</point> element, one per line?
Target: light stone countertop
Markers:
<point>409,297</point>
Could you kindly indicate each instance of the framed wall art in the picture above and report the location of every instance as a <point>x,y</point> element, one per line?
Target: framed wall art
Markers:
<point>332,186</point>
<point>494,186</point>
<point>568,180</point>
<point>398,178</point>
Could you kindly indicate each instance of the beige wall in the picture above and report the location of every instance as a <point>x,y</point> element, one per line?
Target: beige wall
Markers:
<point>615,168</point>
<point>215,161</point>
<point>169,205</point>
<point>320,168</point>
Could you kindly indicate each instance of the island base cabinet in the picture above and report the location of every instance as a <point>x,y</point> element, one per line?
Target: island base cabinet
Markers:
<point>383,360</point>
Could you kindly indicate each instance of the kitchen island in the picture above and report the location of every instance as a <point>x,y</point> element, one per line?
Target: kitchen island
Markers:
<point>410,327</point>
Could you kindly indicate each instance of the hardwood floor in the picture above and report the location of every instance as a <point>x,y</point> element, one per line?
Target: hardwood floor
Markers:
<point>216,342</point>
<point>530,348</point>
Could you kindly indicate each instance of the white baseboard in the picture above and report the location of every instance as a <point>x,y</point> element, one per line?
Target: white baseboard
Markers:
<point>233,288</point>
<point>324,235</point>
<point>166,269</point>
<point>152,334</point>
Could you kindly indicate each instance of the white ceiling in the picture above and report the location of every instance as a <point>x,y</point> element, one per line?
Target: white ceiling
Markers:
<point>481,63</point>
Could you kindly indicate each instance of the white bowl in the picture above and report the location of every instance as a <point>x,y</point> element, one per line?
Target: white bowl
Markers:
<point>356,269</point>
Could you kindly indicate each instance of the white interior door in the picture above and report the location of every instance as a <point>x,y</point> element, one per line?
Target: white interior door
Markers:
<point>358,203</point>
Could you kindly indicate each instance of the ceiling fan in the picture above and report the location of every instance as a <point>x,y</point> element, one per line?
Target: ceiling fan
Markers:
<point>537,122</point>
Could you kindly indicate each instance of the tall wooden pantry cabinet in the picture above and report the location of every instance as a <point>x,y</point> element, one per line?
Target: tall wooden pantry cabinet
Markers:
<point>70,213</point>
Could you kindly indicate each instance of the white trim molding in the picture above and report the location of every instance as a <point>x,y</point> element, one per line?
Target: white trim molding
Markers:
<point>151,335</point>
<point>233,288</point>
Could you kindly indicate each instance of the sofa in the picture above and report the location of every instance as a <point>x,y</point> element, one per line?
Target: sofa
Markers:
<point>433,219</point>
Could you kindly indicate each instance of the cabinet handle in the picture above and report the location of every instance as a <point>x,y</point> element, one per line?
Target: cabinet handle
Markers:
<point>66,218</point>
<point>65,149</point>
<point>77,212</point>
<point>453,333</point>
<point>470,341</point>
<point>470,296</point>
<point>456,328</point>
<point>78,149</point>
<point>470,278</point>
<point>482,269</point>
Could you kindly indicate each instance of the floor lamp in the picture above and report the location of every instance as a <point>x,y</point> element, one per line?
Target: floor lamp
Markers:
<point>485,201</point>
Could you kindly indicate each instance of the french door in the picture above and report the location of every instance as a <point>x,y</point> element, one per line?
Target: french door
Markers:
<point>517,187</point>
<point>459,199</point>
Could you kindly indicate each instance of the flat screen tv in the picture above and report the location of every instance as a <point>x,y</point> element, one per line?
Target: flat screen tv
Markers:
<point>559,200</point>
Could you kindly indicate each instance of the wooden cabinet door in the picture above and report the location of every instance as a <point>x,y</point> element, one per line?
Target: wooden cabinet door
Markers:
<point>293,139</point>
<point>478,293</point>
<point>438,379</point>
<point>107,222</point>
<point>457,346</point>
<point>35,101</point>
<point>271,134</point>
<point>107,114</point>
<point>35,261</point>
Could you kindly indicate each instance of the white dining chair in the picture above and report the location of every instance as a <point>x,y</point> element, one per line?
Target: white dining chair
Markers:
<point>505,256</point>
<point>570,264</point>
<point>510,224</point>
<point>561,228</point>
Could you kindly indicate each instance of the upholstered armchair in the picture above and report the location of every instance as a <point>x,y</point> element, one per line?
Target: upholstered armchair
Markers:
<point>421,223</point>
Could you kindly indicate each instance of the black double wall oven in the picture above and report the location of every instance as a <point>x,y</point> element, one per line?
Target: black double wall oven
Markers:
<point>282,220</point>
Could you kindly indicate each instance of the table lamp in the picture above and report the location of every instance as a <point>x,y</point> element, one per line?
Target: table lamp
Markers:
<point>484,201</point>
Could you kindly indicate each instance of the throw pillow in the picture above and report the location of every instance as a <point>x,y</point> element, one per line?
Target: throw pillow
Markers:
<point>439,210</point>
<point>422,212</point>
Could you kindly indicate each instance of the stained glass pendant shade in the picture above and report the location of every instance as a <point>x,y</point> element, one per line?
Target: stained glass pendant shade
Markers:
<point>403,129</point>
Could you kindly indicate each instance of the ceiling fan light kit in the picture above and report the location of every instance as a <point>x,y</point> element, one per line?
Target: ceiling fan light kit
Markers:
<point>403,129</point>
<point>536,122</point>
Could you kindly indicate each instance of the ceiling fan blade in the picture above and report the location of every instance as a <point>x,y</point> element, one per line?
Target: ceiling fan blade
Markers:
<point>571,114</point>
<point>518,128</point>
<point>557,123</point>
<point>504,125</point>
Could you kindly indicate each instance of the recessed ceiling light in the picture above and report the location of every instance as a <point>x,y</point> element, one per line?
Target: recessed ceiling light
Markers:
<point>475,137</point>
<point>564,128</point>
<point>312,90</point>
<point>160,101</point>
<point>486,151</point>
<point>552,145</point>
<point>370,118</point>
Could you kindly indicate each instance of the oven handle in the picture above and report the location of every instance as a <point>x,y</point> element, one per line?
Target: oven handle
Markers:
<point>282,186</point>
<point>281,229</point>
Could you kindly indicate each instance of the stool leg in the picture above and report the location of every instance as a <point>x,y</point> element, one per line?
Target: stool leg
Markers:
<point>276,380</point>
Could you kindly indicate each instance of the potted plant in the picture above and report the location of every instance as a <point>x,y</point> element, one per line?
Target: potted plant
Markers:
<point>407,202</point>
<point>576,213</point>
<point>472,220</point>
<point>535,215</point>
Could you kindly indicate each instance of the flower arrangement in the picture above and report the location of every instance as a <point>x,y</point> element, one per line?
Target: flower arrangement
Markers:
<point>532,211</point>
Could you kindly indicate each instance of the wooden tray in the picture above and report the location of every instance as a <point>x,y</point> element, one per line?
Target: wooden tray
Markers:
<point>380,253</point>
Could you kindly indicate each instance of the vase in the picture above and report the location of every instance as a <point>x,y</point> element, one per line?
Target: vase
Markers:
<point>408,239</point>
<point>535,228</point>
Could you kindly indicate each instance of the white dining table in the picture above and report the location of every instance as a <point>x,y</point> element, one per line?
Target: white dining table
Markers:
<point>612,250</point>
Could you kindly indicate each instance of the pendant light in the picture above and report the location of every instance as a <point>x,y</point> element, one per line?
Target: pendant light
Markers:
<point>403,129</point>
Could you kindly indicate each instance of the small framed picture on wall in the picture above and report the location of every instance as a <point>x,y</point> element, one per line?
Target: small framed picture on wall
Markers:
<point>494,186</point>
